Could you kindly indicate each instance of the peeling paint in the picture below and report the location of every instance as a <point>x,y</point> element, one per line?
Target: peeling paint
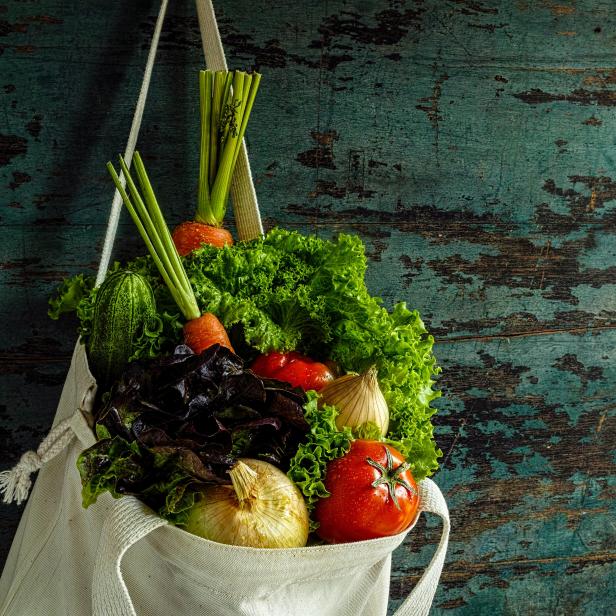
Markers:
<point>10,147</point>
<point>323,154</point>
<point>580,96</point>
<point>432,109</point>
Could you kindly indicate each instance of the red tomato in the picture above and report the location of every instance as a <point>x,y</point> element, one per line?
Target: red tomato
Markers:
<point>362,485</point>
<point>293,368</point>
<point>270,363</point>
<point>307,375</point>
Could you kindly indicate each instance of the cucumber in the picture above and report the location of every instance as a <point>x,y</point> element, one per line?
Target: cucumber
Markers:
<point>124,304</point>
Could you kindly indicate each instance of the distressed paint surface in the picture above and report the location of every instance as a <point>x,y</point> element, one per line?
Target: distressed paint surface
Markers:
<point>470,144</point>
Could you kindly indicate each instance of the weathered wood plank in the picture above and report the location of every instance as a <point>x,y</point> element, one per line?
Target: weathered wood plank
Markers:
<point>528,432</point>
<point>485,284</point>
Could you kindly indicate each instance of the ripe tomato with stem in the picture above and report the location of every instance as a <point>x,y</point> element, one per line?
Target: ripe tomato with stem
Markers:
<point>372,494</point>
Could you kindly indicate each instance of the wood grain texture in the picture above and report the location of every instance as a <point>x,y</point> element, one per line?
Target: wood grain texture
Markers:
<point>470,143</point>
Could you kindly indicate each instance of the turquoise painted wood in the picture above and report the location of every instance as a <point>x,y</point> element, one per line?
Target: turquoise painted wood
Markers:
<point>469,142</point>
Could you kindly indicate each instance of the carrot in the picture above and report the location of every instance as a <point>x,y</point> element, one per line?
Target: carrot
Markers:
<point>191,234</point>
<point>204,332</point>
<point>200,330</point>
<point>226,100</point>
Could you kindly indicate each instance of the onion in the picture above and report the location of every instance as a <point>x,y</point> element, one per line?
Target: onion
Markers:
<point>262,509</point>
<point>359,400</point>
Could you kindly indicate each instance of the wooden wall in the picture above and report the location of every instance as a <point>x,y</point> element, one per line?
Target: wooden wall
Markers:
<point>470,143</point>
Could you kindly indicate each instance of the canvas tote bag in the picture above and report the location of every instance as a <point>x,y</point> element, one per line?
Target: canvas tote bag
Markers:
<point>118,558</point>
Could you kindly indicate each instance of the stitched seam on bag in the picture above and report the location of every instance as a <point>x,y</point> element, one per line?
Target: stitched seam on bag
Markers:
<point>336,574</point>
<point>365,560</point>
<point>336,550</point>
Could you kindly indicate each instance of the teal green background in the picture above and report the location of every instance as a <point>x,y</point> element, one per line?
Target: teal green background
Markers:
<point>470,143</point>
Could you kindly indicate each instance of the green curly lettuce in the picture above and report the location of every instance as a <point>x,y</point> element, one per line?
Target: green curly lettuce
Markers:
<point>70,295</point>
<point>164,479</point>
<point>104,465</point>
<point>323,444</point>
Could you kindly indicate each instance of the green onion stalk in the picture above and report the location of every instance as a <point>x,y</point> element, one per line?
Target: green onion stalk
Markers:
<point>143,207</point>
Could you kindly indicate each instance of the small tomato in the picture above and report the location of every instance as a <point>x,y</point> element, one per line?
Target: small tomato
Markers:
<point>293,368</point>
<point>270,363</point>
<point>372,494</point>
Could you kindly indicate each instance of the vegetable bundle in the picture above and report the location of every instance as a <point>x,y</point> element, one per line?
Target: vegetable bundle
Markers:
<point>252,361</point>
<point>174,424</point>
<point>291,291</point>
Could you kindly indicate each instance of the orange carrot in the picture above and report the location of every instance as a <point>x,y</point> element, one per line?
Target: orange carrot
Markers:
<point>191,234</point>
<point>207,330</point>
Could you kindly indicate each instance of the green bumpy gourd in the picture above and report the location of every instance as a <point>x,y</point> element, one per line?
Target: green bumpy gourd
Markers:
<point>124,304</point>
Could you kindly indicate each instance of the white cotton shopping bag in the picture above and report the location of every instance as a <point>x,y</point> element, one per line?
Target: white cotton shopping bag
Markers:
<point>118,558</point>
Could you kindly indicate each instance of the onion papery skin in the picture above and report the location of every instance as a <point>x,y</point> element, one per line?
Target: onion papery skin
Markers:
<point>358,399</point>
<point>273,516</point>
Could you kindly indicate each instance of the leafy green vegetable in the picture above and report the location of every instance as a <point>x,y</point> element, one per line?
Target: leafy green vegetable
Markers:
<point>105,466</point>
<point>323,444</point>
<point>173,424</point>
<point>288,291</point>
<point>70,295</point>
<point>368,431</point>
<point>163,477</point>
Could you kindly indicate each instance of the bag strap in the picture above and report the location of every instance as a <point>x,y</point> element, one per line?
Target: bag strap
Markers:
<point>418,603</point>
<point>128,521</point>
<point>116,204</point>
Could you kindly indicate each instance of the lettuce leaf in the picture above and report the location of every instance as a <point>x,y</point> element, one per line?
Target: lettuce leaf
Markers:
<point>174,424</point>
<point>323,443</point>
<point>70,295</point>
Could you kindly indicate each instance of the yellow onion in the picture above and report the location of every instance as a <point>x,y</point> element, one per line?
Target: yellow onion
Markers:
<point>262,508</point>
<point>358,399</point>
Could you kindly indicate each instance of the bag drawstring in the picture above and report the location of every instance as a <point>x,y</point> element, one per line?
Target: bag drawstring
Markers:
<point>15,483</point>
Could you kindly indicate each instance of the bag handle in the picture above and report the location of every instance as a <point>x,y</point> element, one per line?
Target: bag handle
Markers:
<point>418,603</point>
<point>245,205</point>
<point>116,204</point>
<point>130,520</point>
